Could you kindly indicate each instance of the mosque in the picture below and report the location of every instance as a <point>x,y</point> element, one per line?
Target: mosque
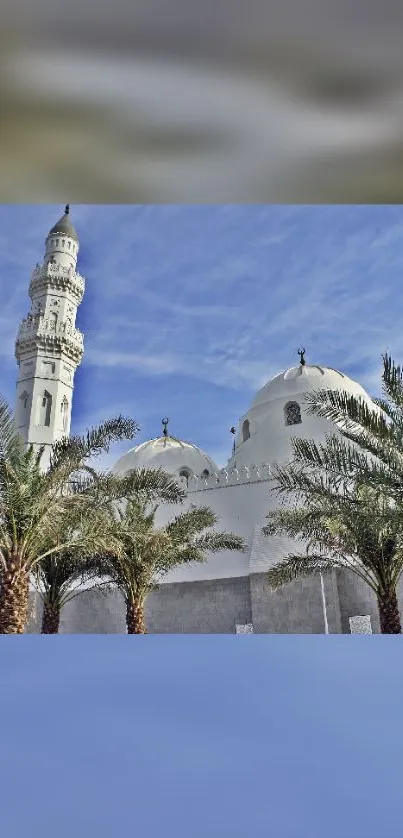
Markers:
<point>229,592</point>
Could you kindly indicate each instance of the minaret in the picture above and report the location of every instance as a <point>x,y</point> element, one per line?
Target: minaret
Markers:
<point>49,348</point>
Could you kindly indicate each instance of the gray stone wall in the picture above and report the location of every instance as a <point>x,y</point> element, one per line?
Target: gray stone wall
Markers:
<point>184,608</point>
<point>92,612</point>
<point>355,598</point>
<point>215,607</point>
<point>200,607</point>
<point>295,608</point>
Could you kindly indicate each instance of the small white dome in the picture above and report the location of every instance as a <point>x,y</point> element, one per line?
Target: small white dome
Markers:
<point>166,452</point>
<point>304,378</point>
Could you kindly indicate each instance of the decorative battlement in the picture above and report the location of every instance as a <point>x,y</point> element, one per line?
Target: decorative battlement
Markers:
<point>52,275</point>
<point>36,331</point>
<point>229,477</point>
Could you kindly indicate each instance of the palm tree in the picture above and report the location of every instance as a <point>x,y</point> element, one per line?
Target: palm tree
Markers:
<point>37,505</point>
<point>59,576</point>
<point>348,494</point>
<point>355,530</point>
<point>150,552</point>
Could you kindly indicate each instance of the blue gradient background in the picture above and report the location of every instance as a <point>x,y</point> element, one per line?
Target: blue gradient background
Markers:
<point>177,737</point>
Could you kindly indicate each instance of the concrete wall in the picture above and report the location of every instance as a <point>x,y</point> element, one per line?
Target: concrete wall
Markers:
<point>356,598</point>
<point>294,609</point>
<point>216,606</point>
<point>92,612</point>
<point>200,608</point>
<point>187,608</point>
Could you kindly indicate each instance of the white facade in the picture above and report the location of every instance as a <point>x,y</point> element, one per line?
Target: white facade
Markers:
<point>240,494</point>
<point>49,347</point>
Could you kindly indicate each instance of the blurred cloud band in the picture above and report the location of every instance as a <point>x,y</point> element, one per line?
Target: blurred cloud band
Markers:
<point>179,102</point>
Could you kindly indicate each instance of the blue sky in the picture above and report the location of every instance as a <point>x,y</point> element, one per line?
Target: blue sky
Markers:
<point>190,309</point>
<point>201,736</point>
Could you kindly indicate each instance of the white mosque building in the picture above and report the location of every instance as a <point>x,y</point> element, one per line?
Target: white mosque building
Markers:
<point>229,592</point>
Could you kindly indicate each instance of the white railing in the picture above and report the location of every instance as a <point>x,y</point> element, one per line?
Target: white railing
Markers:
<point>37,325</point>
<point>56,271</point>
<point>229,477</point>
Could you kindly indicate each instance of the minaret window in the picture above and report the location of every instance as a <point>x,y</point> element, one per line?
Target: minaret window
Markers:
<point>53,321</point>
<point>64,408</point>
<point>292,413</point>
<point>245,430</point>
<point>45,410</point>
<point>24,399</point>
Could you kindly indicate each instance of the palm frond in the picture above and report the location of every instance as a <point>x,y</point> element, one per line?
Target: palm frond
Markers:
<point>214,542</point>
<point>392,382</point>
<point>189,523</point>
<point>11,445</point>
<point>148,485</point>
<point>297,566</point>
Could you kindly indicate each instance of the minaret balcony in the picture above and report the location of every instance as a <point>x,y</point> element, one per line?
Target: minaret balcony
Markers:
<point>53,275</point>
<point>36,331</point>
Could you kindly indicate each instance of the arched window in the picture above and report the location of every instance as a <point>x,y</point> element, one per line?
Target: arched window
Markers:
<point>292,413</point>
<point>206,473</point>
<point>64,413</point>
<point>53,320</point>
<point>185,472</point>
<point>245,430</point>
<point>24,399</point>
<point>45,409</point>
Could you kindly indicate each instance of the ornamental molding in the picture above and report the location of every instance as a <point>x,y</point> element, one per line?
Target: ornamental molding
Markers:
<point>57,277</point>
<point>227,477</point>
<point>36,332</point>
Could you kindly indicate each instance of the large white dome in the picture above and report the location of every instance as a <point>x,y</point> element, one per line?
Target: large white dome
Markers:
<point>304,378</point>
<point>266,431</point>
<point>166,452</point>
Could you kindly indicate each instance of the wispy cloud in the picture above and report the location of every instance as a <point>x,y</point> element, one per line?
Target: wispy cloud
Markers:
<point>190,309</point>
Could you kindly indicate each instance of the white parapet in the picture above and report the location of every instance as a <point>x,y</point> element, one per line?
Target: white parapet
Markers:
<point>230,477</point>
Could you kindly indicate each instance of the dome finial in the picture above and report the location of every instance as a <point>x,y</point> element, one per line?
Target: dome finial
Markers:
<point>67,209</point>
<point>301,353</point>
<point>233,431</point>
<point>165,426</point>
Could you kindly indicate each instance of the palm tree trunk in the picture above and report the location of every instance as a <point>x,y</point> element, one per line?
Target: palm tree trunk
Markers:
<point>50,618</point>
<point>389,615</point>
<point>135,623</point>
<point>14,593</point>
